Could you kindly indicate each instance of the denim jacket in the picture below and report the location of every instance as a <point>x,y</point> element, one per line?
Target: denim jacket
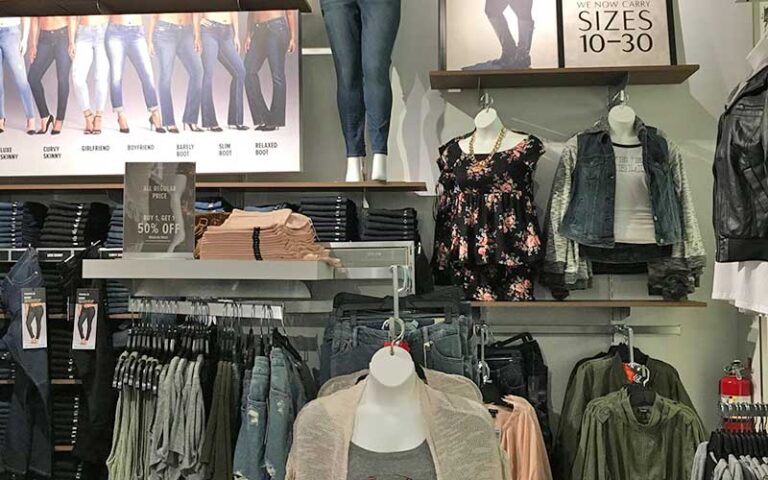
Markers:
<point>580,217</point>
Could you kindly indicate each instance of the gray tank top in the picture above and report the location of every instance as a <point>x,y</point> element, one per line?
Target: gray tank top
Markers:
<point>416,464</point>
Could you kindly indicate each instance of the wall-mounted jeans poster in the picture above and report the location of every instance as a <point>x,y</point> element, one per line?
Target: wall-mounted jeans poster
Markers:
<point>498,34</point>
<point>84,95</point>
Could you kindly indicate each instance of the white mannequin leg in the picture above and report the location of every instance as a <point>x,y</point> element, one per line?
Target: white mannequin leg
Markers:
<point>354,169</point>
<point>379,170</point>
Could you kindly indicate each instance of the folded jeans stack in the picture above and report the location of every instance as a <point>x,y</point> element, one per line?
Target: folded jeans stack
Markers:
<point>278,235</point>
<point>7,366</point>
<point>5,412</point>
<point>68,469</point>
<point>202,222</point>
<point>115,235</point>
<point>271,207</point>
<point>118,297</point>
<point>57,295</point>
<point>383,225</point>
<point>62,365</point>
<point>334,218</point>
<point>67,410</point>
<point>20,224</point>
<point>212,205</point>
<point>75,225</point>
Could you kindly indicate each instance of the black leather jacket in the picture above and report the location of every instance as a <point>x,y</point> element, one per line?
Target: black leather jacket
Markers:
<point>741,174</point>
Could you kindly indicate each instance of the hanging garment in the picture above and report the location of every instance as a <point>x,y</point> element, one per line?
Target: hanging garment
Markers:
<point>622,442</point>
<point>487,236</point>
<point>460,435</point>
<point>741,177</point>
<point>596,378</point>
<point>522,440</point>
<point>585,185</point>
<point>742,284</point>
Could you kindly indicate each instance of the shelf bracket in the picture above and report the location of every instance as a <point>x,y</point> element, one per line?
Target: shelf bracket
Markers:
<point>619,316</point>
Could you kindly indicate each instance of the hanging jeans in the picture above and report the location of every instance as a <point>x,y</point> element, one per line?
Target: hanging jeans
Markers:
<point>52,46</point>
<point>173,41</point>
<point>28,437</point>
<point>249,452</point>
<point>362,35</point>
<point>219,46</point>
<point>10,57</point>
<point>269,42</point>
<point>91,51</point>
<point>126,41</point>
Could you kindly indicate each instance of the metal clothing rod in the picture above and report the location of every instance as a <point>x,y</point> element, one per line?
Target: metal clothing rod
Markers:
<point>584,329</point>
<point>219,308</point>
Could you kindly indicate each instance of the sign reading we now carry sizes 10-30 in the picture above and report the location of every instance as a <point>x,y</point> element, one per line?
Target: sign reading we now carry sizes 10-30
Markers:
<point>604,33</point>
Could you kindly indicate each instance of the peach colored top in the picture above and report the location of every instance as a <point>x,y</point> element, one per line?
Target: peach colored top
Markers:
<point>522,440</point>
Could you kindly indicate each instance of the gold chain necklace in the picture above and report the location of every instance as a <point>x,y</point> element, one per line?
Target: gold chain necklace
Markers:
<point>499,140</point>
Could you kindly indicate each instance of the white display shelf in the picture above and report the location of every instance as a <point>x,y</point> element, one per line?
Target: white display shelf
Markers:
<point>160,269</point>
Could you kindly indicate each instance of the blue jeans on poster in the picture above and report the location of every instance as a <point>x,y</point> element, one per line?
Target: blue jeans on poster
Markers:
<point>219,45</point>
<point>269,43</point>
<point>10,57</point>
<point>362,35</point>
<point>52,46</point>
<point>249,451</point>
<point>28,445</point>
<point>173,41</point>
<point>126,41</point>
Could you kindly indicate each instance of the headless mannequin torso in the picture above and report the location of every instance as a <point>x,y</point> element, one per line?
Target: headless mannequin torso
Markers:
<point>389,418</point>
<point>488,125</point>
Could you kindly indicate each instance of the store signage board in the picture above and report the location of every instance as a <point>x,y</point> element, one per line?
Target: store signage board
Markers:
<point>611,33</point>
<point>159,210</point>
<point>186,84</point>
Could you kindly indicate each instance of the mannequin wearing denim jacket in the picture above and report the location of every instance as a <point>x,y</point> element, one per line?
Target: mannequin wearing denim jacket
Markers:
<point>580,217</point>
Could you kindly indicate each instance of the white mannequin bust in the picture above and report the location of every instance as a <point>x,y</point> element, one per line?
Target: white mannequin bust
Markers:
<point>621,120</point>
<point>389,417</point>
<point>488,125</point>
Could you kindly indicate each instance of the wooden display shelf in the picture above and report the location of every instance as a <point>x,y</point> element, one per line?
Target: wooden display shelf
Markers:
<point>593,304</point>
<point>561,77</point>
<point>20,8</point>
<point>63,448</point>
<point>253,186</point>
<point>54,381</point>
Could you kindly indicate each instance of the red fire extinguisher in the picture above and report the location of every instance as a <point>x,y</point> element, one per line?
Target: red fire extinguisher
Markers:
<point>736,387</point>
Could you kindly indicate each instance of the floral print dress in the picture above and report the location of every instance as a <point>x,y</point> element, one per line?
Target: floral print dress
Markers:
<point>487,236</point>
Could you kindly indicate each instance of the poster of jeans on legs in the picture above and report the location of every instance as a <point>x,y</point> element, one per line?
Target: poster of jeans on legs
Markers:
<point>84,95</point>
<point>498,34</point>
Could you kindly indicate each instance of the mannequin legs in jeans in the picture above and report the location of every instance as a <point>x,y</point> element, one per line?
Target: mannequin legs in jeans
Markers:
<point>362,34</point>
<point>11,58</point>
<point>90,51</point>
<point>123,42</point>
<point>513,54</point>
<point>219,45</point>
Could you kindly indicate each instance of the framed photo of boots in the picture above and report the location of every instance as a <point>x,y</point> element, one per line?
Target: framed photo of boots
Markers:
<point>498,34</point>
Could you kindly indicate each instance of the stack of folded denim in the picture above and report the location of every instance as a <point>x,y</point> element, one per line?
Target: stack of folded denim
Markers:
<point>68,469</point>
<point>117,297</point>
<point>7,366</point>
<point>382,225</point>
<point>115,235</point>
<point>67,410</point>
<point>57,281</point>
<point>5,411</point>
<point>62,366</point>
<point>20,224</point>
<point>334,218</point>
<point>271,207</point>
<point>212,205</point>
<point>75,225</point>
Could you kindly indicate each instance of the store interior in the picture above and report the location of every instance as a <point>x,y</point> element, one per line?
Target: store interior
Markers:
<point>697,335</point>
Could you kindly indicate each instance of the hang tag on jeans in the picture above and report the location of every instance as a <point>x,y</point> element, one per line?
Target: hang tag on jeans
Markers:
<point>86,319</point>
<point>34,319</point>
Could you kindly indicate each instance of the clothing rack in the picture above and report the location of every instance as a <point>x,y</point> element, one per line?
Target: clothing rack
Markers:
<point>220,308</point>
<point>586,329</point>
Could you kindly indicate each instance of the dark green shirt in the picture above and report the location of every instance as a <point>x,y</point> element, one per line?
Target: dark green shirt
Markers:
<point>619,442</point>
<point>595,379</point>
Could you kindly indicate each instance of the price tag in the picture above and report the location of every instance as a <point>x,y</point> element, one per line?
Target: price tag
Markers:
<point>617,33</point>
<point>86,319</point>
<point>34,328</point>
<point>159,218</point>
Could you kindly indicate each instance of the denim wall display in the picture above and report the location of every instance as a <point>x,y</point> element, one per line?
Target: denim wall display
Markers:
<point>166,76</point>
<point>362,34</point>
